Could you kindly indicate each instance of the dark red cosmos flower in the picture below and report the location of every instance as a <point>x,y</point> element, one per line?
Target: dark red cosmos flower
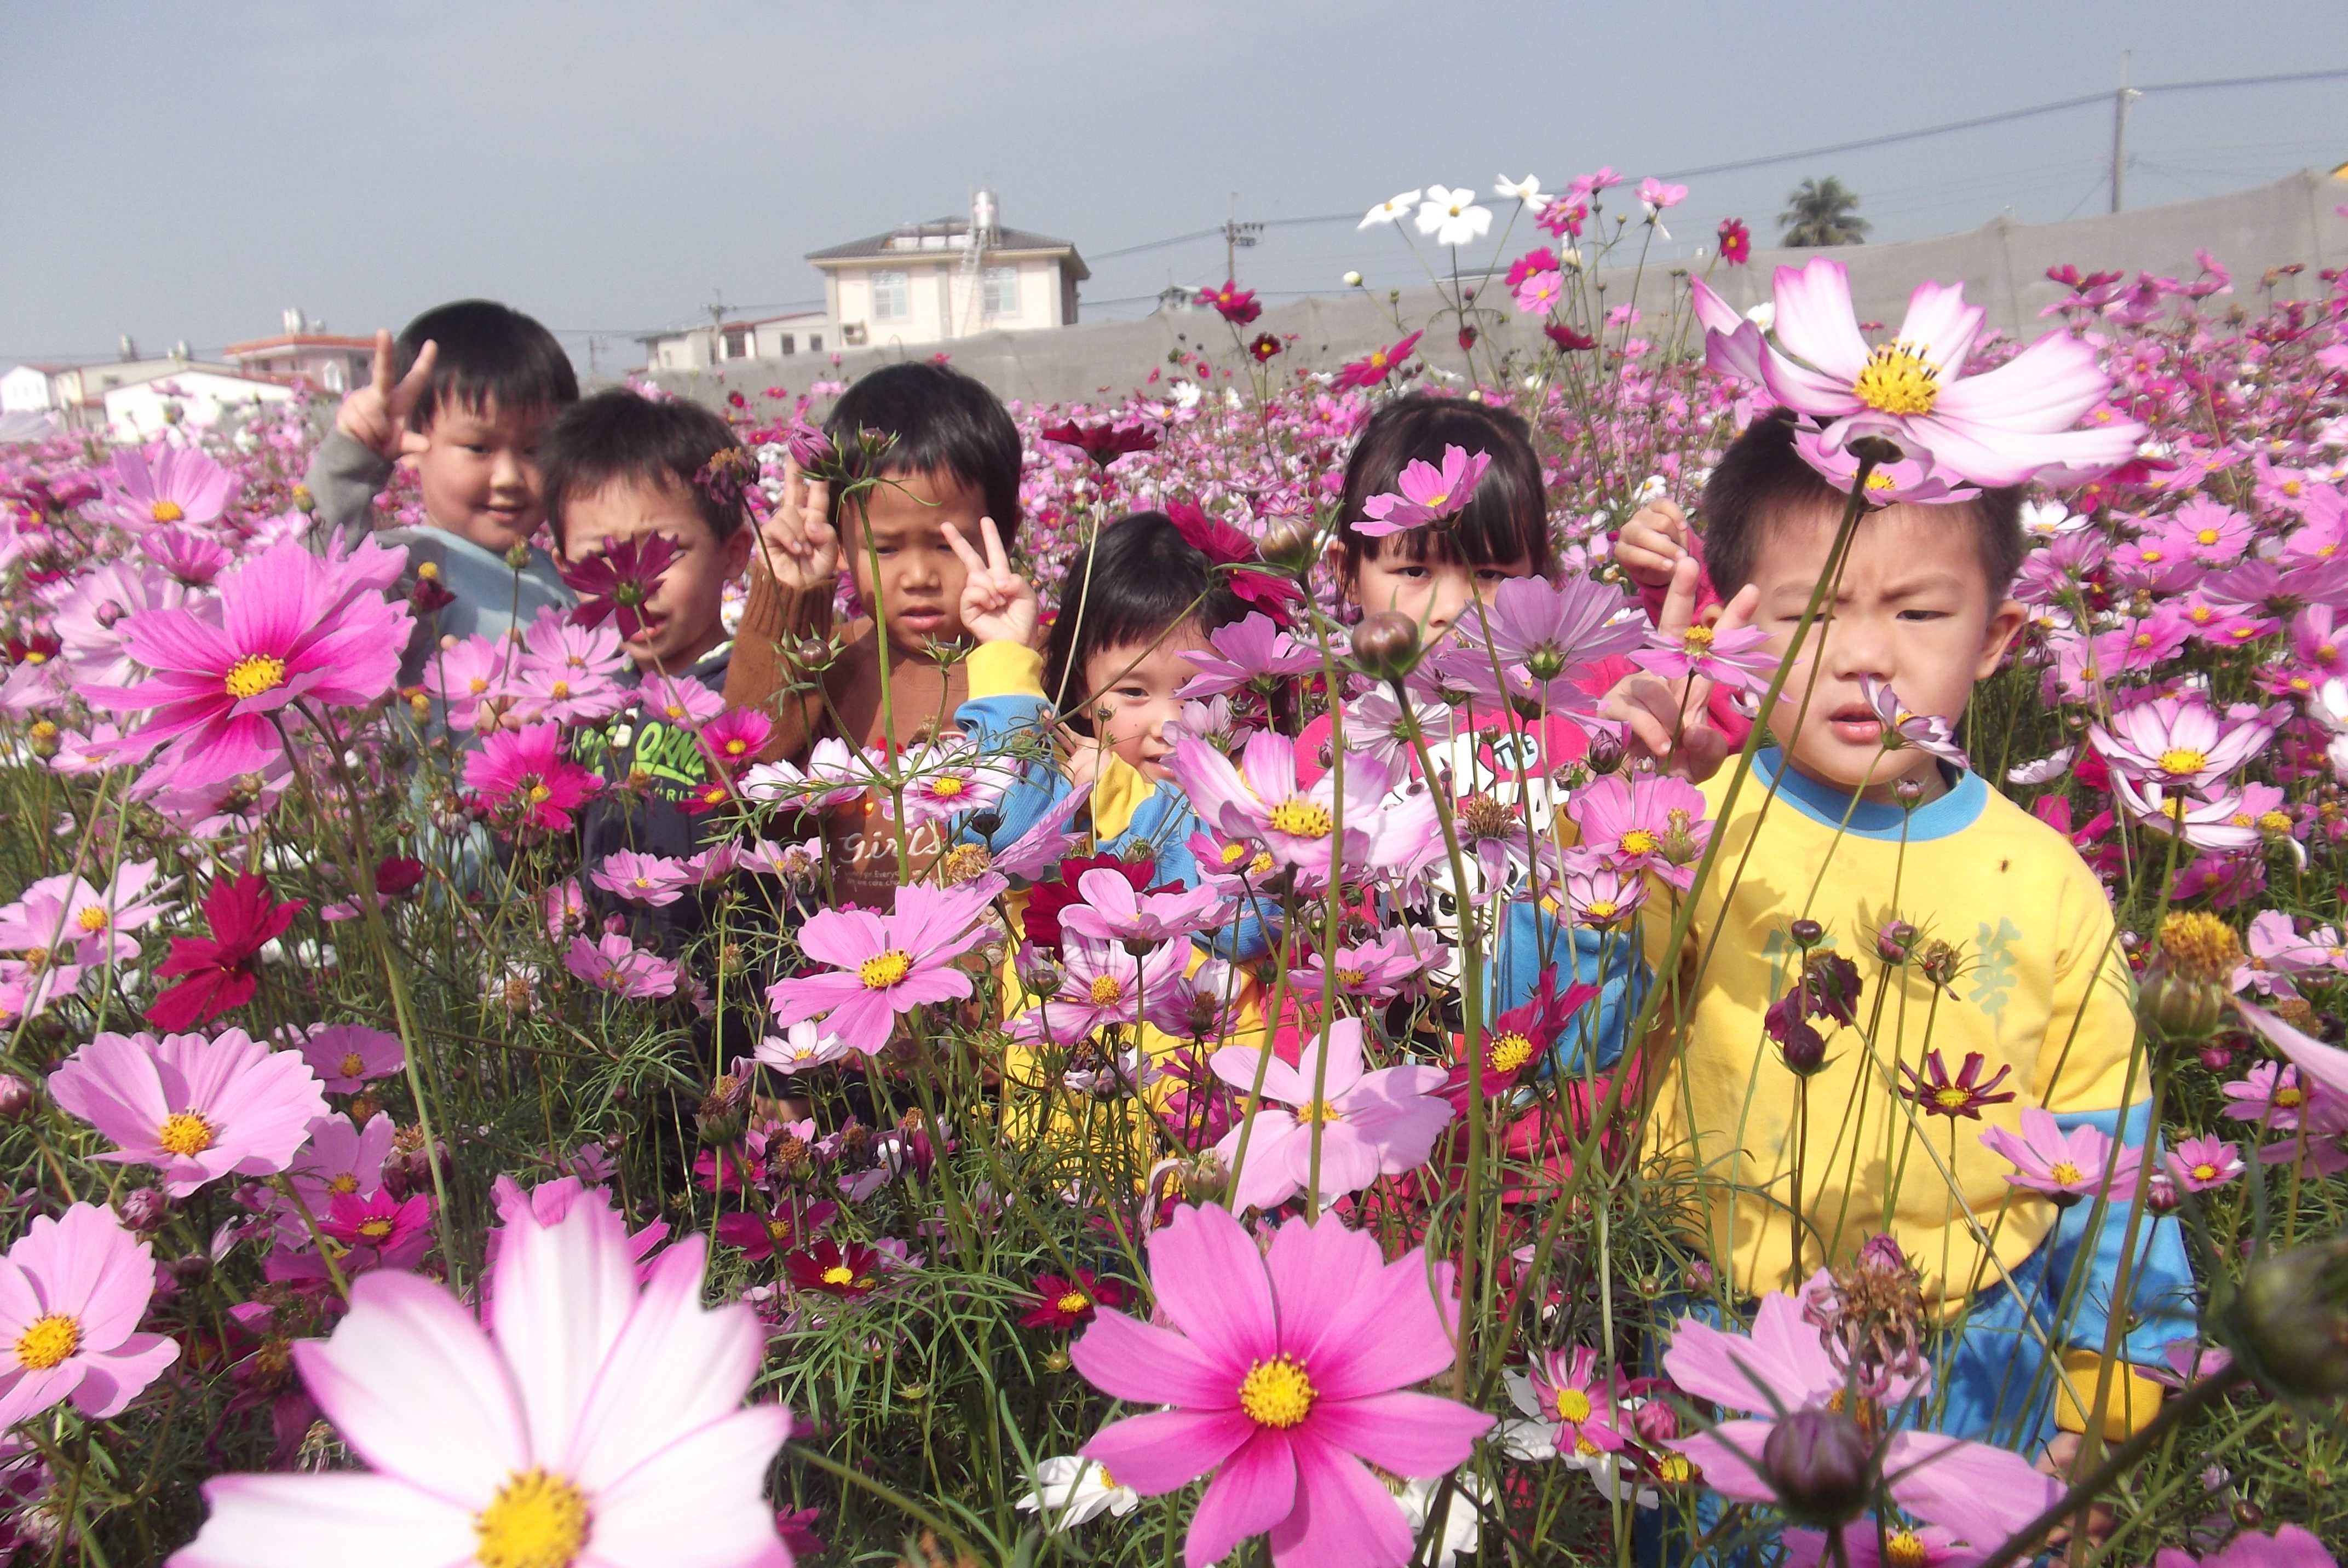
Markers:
<point>1103,443</point>
<point>219,968</point>
<point>1233,304</point>
<point>1562,217</point>
<point>1735,242</point>
<point>1542,261</point>
<point>37,648</point>
<point>706,797</point>
<point>1226,546</point>
<point>1265,346</point>
<point>798,1531</point>
<point>1520,1037</point>
<point>1936,1094</point>
<point>1046,900</point>
<point>1068,1302</point>
<point>853,1270</point>
<point>396,874</point>
<point>1568,340</point>
<point>763,1235</point>
<point>617,580</point>
<point>1379,364</point>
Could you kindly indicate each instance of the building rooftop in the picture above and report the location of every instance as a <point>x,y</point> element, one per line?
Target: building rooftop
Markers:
<point>950,234</point>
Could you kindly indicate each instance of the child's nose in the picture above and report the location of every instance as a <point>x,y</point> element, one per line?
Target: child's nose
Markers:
<point>505,471</point>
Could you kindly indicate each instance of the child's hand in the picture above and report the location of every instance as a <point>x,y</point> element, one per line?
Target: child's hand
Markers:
<point>997,604</point>
<point>1080,757</point>
<point>375,416</point>
<point>797,545</point>
<point>1667,720</point>
<point>1653,543</point>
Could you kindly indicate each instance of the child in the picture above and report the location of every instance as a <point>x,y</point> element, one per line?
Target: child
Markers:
<point>1857,837</point>
<point>463,397</point>
<point>622,466</point>
<point>955,460</point>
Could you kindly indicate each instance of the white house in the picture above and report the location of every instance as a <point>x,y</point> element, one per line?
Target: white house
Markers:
<point>307,349</point>
<point>30,388</point>
<point>949,278</point>
<point>192,395</point>
<point>760,337</point>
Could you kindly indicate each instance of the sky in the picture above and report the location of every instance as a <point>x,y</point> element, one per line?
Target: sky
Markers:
<point>179,173</point>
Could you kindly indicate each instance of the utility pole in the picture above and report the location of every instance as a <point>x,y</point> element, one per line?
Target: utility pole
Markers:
<point>2120,102</point>
<point>1237,237</point>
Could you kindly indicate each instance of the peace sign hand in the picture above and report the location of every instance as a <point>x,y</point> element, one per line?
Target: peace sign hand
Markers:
<point>1667,720</point>
<point>796,544</point>
<point>998,605</point>
<point>375,416</point>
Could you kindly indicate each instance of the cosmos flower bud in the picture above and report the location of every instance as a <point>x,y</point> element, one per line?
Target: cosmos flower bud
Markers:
<point>2288,1322</point>
<point>1288,547</point>
<point>1386,644</point>
<point>517,557</point>
<point>1605,754</point>
<point>1656,1422</point>
<point>1908,791</point>
<point>143,1208</point>
<point>304,502</point>
<point>1352,280</point>
<point>1807,934</point>
<point>1893,942</point>
<point>18,1098</point>
<point>1820,1465</point>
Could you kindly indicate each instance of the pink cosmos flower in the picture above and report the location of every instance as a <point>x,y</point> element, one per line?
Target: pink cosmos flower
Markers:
<point>1424,493</point>
<point>1656,194</point>
<point>2173,740</point>
<point>1376,366</point>
<point>800,1048</point>
<point>1547,636</point>
<point>2066,1167</point>
<point>1372,1124</point>
<point>680,700</point>
<point>339,1159</point>
<point>1251,652</point>
<point>1586,1411</point>
<point>1901,726</point>
<point>1048,842</point>
<point>1738,657</point>
<point>1909,480</point>
<point>1539,292</point>
<point>468,678</point>
<point>348,1057</point>
<point>1103,985</point>
<point>1783,1366</point>
<point>945,784</point>
<point>288,627</point>
<point>63,912</point>
<point>1600,896</point>
<point>2271,1094</point>
<point>72,1291</point>
<point>2200,1164</point>
<point>193,1109</point>
<point>834,776</point>
<point>1377,971</point>
<point>595,1423</point>
<point>1284,1371</point>
<point>2290,1546</point>
<point>883,965</point>
<point>2212,821</point>
<point>378,1230</point>
<point>1897,1546</point>
<point>1996,428</point>
<point>732,738</point>
<point>191,559</point>
<point>654,880</point>
<point>521,778</point>
<point>2325,1067</point>
<point>1260,800</point>
<point>1113,911</point>
<point>616,965</point>
<point>1653,823</point>
<point>91,609</point>
<point>161,486</point>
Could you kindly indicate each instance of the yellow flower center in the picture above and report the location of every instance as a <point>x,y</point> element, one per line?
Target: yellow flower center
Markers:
<point>1260,863</point>
<point>1676,1469</point>
<point>166,512</point>
<point>1880,481</point>
<point>2067,1174</point>
<point>539,794</point>
<point>1951,1098</point>
<point>1896,379</point>
<point>253,674</point>
<point>1277,1393</point>
<point>343,1181</point>
<point>2205,1172</point>
<point>353,1065</point>
<point>1510,1052</point>
<point>1302,819</point>
<point>1904,1549</point>
<point>883,970</point>
<point>2179,761</point>
<point>1350,977</point>
<point>1234,853</point>
<point>2290,1099</point>
<point>536,1520</point>
<point>948,788</point>
<point>376,1229</point>
<point>1319,1111</point>
<point>1572,1405</point>
<point>562,690</point>
<point>1696,639</point>
<point>1600,911</point>
<point>2205,536</point>
<point>2274,821</point>
<point>1106,989</point>
<point>185,1133</point>
<point>92,918</point>
<point>838,1274</point>
<point>1074,1301</point>
<point>50,1340</point>
<point>1638,841</point>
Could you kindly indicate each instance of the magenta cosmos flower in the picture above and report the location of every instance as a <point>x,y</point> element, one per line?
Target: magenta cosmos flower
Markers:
<point>156,488</point>
<point>521,778</point>
<point>1738,657</point>
<point>1424,493</point>
<point>883,965</point>
<point>1284,1371</point>
<point>2066,1166</point>
<point>594,1424</point>
<point>72,1291</point>
<point>193,1109</point>
<point>1372,1124</point>
<point>1651,824</point>
<point>1104,984</point>
<point>612,963</point>
<point>349,1056</point>
<point>1252,650</point>
<point>1258,801</point>
<point>1113,911</point>
<point>1996,428</point>
<point>2289,1547</point>
<point>1379,363</point>
<point>1982,1493</point>
<point>288,627</point>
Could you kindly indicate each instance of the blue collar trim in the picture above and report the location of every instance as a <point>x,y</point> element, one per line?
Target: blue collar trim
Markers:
<point>1954,812</point>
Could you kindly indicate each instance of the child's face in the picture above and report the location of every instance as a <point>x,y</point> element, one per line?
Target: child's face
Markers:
<point>1132,693</point>
<point>1435,593</point>
<point>902,523</point>
<point>1914,611</point>
<point>479,471</point>
<point>684,617</point>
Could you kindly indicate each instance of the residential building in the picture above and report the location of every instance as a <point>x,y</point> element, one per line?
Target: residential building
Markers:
<point>191,395</point>
<point>307,349</point>
<point>758,337</point>
<point>949,278</point>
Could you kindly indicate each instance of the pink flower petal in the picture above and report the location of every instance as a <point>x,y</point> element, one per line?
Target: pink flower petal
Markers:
<point>1409,1434</point>
<point>696,1501</point>
<point>559,1302</point>
<point>303,1520</point>
<point>1129,1359</point>
<point>1210,1281</point>
<point>1164,1450</point>
<point>1982,1493</point>
<point>1343,1514</point>
<point>1250,1494</point>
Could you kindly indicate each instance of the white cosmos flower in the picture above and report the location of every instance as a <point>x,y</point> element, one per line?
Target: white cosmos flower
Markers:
<point>800,1048</point>
<point>1452,216</point>
<point>1070,1491</point>
<point>1764,315</point>
<point>1527,191</point>
<point>1390,210</point>
<point>1461,1527</point>
<point>2046,520</point>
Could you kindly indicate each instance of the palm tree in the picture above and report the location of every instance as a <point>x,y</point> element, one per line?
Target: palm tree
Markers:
<point>1822,212</point>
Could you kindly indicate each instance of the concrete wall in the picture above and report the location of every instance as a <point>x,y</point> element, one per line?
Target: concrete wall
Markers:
<point>2002,264</point>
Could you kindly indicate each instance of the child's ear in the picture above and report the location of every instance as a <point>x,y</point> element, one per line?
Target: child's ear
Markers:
<point>2006,623</point>
<point>737,549</point>
<point>1334,558</point>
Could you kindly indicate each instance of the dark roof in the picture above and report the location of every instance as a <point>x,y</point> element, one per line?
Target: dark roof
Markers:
<point>877,245</point>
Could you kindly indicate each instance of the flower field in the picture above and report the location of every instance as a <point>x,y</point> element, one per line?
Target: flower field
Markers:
<point>388,1179</point>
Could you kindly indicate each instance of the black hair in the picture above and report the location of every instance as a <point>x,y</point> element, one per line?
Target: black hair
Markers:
<point>944,423</point>
<point>1762,480</point>
<point>1506,522</point>
<point>1138,577</point>
<point>486,355</point>
<point>619,436</point>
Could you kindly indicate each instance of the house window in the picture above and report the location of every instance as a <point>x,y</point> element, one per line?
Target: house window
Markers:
<point>815,343</point>
<point>892,296</point>
<point>851,333</point>
<point>738,343</point>
<point>1000,291</point>
<point>786,343</point>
